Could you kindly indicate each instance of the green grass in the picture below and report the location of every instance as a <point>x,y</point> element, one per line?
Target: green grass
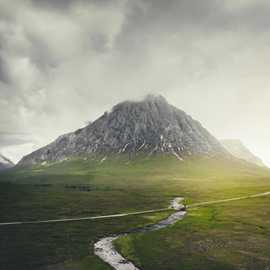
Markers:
<point>212,237</point>
<point>229,236</point>
<point>37,245</point>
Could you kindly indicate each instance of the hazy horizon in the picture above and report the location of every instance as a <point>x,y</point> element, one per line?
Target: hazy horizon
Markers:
<point>63,63</point>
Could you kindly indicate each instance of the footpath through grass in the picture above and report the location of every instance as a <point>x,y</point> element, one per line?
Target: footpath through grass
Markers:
<point>213,237</point>
<point>234,235</point>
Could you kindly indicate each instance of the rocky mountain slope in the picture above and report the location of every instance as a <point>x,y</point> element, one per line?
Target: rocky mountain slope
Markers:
<point>148,127</point>
<point>239,150</point>
<point>5,163</point>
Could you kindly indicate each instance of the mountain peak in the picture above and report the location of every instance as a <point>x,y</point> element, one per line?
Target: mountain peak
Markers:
<point>147,127</point>
<point>147,101</point>
<point>155,98</point>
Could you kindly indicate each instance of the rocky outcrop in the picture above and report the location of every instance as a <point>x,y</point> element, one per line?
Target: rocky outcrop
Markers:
<point>148,127</point>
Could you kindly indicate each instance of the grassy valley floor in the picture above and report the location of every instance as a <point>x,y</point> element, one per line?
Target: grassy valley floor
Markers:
<point>231,235</point>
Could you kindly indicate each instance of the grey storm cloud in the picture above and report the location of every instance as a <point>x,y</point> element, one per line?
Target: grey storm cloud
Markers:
<point>13,138</point>
<point>4,72</point>
<point>66,4</point>
<point>149,19</point>
<point>64,62</point>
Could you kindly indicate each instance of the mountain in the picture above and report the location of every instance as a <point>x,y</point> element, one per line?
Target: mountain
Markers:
<point>239,150</point>
<point>149,126</point>
<point>5,163</point>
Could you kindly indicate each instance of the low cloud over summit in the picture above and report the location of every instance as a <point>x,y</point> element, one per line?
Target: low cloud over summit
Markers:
<point>62,63</point>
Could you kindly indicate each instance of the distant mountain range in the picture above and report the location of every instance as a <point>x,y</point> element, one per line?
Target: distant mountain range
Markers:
<point>5,163</point>
<point>147,127</point>
<point>239,150</point>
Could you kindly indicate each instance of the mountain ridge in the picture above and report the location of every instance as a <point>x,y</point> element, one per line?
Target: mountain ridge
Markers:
<point>240,151</point>
<point>5,163</point>
<point>149,126</point>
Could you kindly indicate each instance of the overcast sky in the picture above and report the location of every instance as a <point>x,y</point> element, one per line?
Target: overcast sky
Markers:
<point>65,62</point>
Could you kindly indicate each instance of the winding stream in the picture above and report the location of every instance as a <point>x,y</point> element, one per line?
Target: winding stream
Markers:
<point>105,250</point>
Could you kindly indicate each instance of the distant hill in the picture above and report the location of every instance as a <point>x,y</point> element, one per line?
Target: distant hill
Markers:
<point>149,126</point>
<point>239,150</point>
<point>5,163</point>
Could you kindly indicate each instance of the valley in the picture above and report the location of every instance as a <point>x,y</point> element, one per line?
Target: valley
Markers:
<point>64,205</point>
<point>143,184</point>
<point>134,135</point>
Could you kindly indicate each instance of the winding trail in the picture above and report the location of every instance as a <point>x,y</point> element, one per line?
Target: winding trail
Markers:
<point>106,251</point>
<point>172,206</point>
<point>104,248</point>
<point>264,194</point>
<point>84,218</point>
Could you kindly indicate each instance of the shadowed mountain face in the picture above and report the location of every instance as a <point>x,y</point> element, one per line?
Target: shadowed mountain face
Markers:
<point>147,127</point>
<point>239,150</point>
<point>5,163</point>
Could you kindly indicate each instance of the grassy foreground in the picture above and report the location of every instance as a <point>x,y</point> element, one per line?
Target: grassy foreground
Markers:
<point>234,235</point>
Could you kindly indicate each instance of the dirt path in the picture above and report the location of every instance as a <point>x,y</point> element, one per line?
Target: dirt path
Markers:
<point>84,218</point>
<point>87,218</point>
<point>104,248</point>
<point>106,251</point>
<point>134,213</point>
<point>264,194</point>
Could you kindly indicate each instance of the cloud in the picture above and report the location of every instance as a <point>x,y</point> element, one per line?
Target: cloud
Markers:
<point>4,71</point>
<point>62,63</point>
<point>66,4</point>
<point>7,139</point>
